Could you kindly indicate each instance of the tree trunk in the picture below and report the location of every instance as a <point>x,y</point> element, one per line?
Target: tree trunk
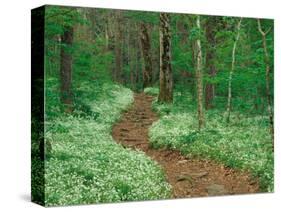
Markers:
<point>118,47</point>
<point>111,40</point>
<point>228,108</point>
<point>166,78</point>
<point>106,36</point>
<point>146,53</point>
<point>66,68</point>
<point>267,81</point>
<point>199,81</point>
<point>210,63</point>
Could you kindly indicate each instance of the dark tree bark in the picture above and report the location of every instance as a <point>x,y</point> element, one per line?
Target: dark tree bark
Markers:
<point>166,78</point>
<point>210,63</point>
<point>146,53</point>
<point>267,80</point>
<point>66,68</point>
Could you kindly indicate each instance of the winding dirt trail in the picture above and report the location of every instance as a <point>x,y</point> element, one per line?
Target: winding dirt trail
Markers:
<point>188,177</point>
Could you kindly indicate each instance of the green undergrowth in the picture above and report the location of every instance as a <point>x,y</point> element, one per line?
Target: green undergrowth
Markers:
<point>245,143</point>
<point>85,165</point>
<point>151,91</point>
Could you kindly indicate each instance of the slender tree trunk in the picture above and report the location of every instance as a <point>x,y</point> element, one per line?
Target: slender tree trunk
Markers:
<point>228,108</point>
<point>129,52</point>
<point>111,40</point>
<point>66,68</point>
<point>139,62</point>
<point>132,56</point>
<point>146,53</point>
<point>106,36</point>
<point>166,78</point>
<point>118,47</point>
<point>110,31</point>
<point>199,81</point>
<point>210,63</point>
<point>267,81</point>
<point>155,56</point>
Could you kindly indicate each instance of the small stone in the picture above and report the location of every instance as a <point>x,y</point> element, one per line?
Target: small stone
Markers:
<point>185,177</point>
<point>199,174</point>
<point>130,139</point>
<point>216,189</point>
<point>182,161</point>
<point>124,130</point>
<point>122,134</point>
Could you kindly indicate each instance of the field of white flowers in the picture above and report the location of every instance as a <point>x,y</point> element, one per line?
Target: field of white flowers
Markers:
<point>86,165</point>
<point>245,143</point>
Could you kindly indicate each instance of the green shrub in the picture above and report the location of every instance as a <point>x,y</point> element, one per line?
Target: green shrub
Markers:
<point>153,91</point>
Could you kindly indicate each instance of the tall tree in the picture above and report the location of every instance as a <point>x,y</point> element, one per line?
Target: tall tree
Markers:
<point>118,46</point>
<point>166,77</point>
<point>199,75</point>
<point>66,68</point>
<point>146,53</point>
<point>211,28</point>
<point>267,78</point>
<point>229,98</point>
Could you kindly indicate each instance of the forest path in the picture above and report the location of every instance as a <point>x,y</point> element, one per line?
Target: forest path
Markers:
<point>188,177</point>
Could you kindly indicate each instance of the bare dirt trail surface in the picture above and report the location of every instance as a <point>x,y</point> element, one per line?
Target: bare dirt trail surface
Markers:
<point>188,177</point>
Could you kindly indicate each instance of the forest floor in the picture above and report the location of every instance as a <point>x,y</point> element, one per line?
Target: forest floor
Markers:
<point>189,177</point>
